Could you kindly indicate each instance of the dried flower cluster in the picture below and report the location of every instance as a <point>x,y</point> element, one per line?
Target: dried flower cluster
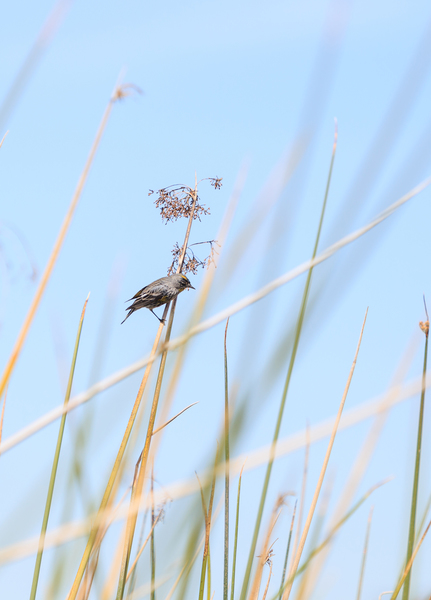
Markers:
<point>191,262</point>
<point>176,201</point>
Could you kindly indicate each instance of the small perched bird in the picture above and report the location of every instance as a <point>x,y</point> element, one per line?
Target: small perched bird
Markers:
<point>159,292</point>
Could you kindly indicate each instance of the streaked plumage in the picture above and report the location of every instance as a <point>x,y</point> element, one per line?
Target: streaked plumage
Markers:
<point>159,292</point>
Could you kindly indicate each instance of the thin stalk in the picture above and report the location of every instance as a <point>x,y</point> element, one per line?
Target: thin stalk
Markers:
<point>226,487</point>
<point>51,485</point>
<point>132,569</point>
<point>411,538</point>
<point>209,574</point>
<point>322,472</point>
<point>112,479</point>
<point>329,537</point>
<point>364,555</point>
<point>299,325</point>
<point>133,514</point>
<point>303,488</point>
<point>409,564</point>
<point>235,544</point>
<point>207,515</point>
<point>287,552</point>
<point>57,246</point>
<point>152,546</point>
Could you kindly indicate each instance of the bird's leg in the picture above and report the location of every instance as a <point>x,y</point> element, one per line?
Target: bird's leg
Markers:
<point>161,320</point>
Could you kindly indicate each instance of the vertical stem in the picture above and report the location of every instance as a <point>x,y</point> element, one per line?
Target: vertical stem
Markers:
<point>54,468</point>
<point>283,577</point>
<point>302,541</point>
<point>235,544</point>
<point>226,447</point>
<point>411,540</point>
<point>133,512</point>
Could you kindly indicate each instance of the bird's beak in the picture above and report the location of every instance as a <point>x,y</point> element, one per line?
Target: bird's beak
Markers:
<point>190,286</point>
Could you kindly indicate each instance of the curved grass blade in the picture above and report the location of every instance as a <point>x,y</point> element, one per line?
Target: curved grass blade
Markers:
<point>55,463</point>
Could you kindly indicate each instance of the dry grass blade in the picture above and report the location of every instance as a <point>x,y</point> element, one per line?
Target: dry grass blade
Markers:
<point>3,138</point>
<point>322,473</point>
<point>207,515</point>
<point>409,564</point>
<point>267,552</point>
<point>283,576</point>
<point>54,254</point>
<point>142,548</point>
<point>363,459</point>
<point>173,418</point>
<point>303,488</point>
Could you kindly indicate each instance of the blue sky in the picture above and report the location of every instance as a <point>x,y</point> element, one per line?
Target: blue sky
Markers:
<point>223,84</point>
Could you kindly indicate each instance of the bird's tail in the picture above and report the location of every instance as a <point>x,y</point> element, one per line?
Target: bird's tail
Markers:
<point>131,310</point>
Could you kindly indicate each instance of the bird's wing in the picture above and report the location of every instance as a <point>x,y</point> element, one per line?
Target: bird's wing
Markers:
<point>155,290</point>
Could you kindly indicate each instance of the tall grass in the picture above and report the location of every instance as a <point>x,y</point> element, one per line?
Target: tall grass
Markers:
<point>186,559</point>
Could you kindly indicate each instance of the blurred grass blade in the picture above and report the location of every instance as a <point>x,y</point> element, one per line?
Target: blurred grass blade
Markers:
<point>152,545</point>
<point>283,576</point>
<point>226,487</point>
<point>44,37</point>
<point>364,555</point>
<point>297,558</point>
<point>55,463</point>
<point>113,476</point>
<point>2,412</point>
<point>299,325</point>
<point>330,536</point>
<point>303,490</point>
<point>235,544</point>
<point>207,515</point>
<point>57,247</point>
<point>411,538</point>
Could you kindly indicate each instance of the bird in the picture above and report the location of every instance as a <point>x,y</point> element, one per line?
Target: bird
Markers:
<point>159,292</point>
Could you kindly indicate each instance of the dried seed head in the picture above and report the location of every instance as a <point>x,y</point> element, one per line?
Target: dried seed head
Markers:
<point>191,262</point>
<point>425,326</point>
<point>177,202</point>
